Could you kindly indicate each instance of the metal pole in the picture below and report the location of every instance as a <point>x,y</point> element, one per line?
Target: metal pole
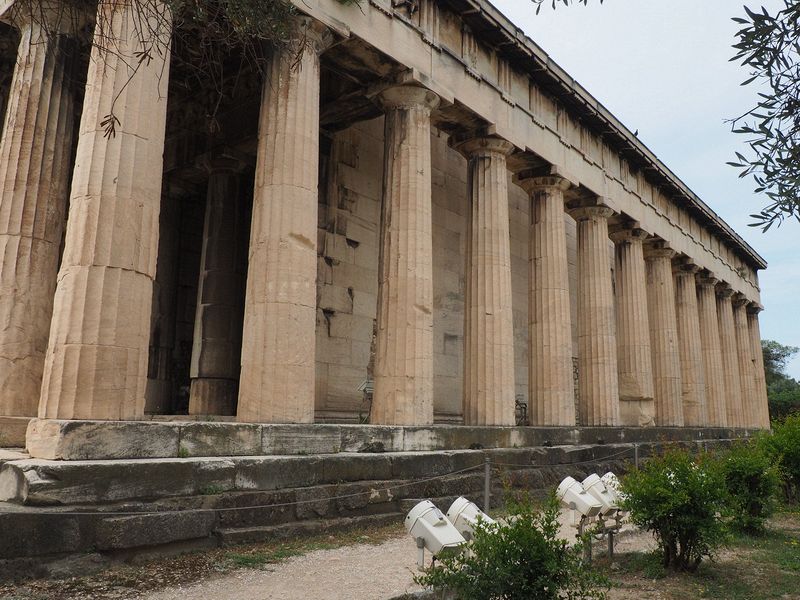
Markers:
<point>636,455</point>
<point>610,544</point>
<point>487,483</point>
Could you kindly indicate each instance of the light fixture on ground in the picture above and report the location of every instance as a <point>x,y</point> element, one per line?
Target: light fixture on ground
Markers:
<point>432,531</point>
<point>465,516</point>
<point>595,487</point>
<point>572,495</point>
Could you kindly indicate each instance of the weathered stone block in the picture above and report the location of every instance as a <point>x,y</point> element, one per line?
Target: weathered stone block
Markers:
<point>277,472</point>
<point>54,439</point>
<point>371,438</point>
<point>44,482</point>
<point>290,439</point>
<point>135,531</point>
<point>359,467</point>
<point>220,439</point>
<point>12,431</point>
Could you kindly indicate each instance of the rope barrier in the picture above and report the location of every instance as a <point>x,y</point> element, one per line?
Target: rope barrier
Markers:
<point>583,462</point>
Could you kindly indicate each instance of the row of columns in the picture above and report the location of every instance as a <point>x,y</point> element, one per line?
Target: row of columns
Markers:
<point>640,359</point>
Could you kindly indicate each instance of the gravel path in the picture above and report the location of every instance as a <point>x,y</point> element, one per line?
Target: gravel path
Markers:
<point>361,572</point>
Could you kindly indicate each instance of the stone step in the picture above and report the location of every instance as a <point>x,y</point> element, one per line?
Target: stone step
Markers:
<point>249,535</point>
<point>46,482</point>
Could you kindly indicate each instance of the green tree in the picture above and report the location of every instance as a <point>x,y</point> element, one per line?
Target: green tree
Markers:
<point>783,391</point>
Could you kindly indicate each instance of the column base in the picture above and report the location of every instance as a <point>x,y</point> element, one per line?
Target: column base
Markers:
<point>213,396</point>
<point>12,431</point>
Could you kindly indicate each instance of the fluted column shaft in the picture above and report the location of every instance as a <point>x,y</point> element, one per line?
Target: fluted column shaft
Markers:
<point>693,382</point>
<point>751,416</point>
<point>550,368</point>
<point>488,318</point>
<point>635,368</point>
<point>713,369</point>
<point>278,344</point>
<point>730,358</point>
<point>35,152</point>
<point>403,392</point>
<point>664,336</point>
<point>597,344</point>
<point>217,340</point>
<point>759,377</point>
<point>96,364</point>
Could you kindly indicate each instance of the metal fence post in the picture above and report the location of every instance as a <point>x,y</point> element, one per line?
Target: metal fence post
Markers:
<point>487,483</point>
<point>636,455</point>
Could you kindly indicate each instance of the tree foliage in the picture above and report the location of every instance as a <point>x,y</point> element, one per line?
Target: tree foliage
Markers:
<point>677,497</point>
<point>783,391</point>
<point>769,46</point>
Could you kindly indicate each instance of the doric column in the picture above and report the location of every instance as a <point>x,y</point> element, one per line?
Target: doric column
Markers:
<point>750,409</point>
<point>759,377</point>
<point>693,381</point>
<point>730,357</point>
<point>713,370</point>
<point>217,339</point>
<point>664,334</point>
<point>637,407</point>
<point>488,318</point>
<point>550,368</point>
<point>96,364</point>
<point>35,153</point>
<point>278,344</point>
<point>404,343</point>
<point>597,344</point>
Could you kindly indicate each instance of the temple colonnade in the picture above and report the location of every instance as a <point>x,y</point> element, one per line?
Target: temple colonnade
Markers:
<point>661,341</point>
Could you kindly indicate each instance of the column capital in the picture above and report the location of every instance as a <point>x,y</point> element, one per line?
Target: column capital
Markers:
<point>596,208</point>
<point>724,290</point>
<point>685,267</point>
<point>740,300</point>
<point>223,159</point>
<point>408,96</point>
<point>753,308</point>
<point>552,176</point>
<point>628,233</point>
<point>315,34</point>
<point>55,16</point>
<point>481,145</point>
<point>657,248</point>
<point>706,278</point>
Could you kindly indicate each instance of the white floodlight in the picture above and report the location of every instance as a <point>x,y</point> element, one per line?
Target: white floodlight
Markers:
<point>431,529</point>
<point>465,515</point>
<point>572,495</point>
<point>595,487</point>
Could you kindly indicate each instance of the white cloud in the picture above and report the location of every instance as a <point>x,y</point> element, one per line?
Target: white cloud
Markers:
<point>663,68</point>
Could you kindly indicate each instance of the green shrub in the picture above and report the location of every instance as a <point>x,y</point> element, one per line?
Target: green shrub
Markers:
<point>679,498</point>
<point>519,558</point>
<point>752,481</point>
<point>784,447</point>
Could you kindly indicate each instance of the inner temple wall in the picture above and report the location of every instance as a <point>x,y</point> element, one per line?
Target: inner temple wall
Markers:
<point>347,286</point>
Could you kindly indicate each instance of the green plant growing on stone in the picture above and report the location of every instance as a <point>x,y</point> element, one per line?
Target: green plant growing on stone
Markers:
<point>752,481</point>
<point>520,557</point>
<point>183,452</point>
<point>211,490</point>
<point>680,499</point>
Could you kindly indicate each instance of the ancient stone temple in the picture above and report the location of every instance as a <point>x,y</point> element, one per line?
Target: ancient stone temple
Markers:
<point>420,225</point>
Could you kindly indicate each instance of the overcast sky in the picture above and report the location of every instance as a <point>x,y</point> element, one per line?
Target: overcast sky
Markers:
<point>662,67</point>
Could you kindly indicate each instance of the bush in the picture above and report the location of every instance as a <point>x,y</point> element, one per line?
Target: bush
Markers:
<point>752,481</point>
<point>679,498</point>
<point>520,558</point>
<point>784,447</point>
